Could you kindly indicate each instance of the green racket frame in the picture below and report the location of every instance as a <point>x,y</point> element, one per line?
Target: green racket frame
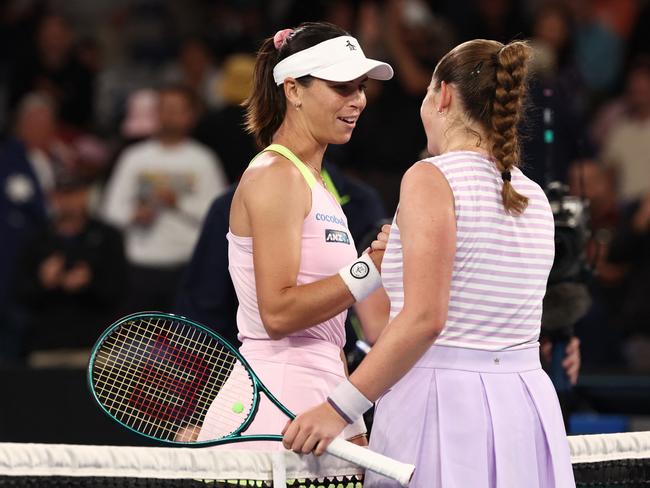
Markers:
<point>258,386</point>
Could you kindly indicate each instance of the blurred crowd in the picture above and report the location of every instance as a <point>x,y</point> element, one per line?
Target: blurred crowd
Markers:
<point>121,122</point>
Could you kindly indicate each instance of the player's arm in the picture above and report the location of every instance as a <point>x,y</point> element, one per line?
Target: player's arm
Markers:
<point>427,225</point>
<point>277,200</point>
<point>373,313</point>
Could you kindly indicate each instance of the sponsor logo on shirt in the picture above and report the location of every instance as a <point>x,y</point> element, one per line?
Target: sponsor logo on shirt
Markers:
<point>336,236</point>
<point>333,219</point>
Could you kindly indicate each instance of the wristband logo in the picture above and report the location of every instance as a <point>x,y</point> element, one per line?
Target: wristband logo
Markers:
<point>333,219</point>
<point>336,236</point>
<point>359,270</point>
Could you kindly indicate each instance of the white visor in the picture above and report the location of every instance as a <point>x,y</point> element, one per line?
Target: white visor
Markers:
<point>338,59</point>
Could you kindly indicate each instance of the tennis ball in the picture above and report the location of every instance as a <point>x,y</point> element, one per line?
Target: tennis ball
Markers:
<point>237,407</point>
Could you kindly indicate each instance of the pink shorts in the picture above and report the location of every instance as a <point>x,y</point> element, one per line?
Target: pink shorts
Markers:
<point>300,372</point>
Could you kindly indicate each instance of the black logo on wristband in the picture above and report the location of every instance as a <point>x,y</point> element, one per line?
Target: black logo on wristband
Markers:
<point>359,270</point>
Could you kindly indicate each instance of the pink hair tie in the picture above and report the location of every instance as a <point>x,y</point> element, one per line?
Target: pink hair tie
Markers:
<point>280,37</point>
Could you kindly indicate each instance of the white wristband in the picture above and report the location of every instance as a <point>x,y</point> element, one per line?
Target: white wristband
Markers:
<point>361,277</point>
<point>349,402</point>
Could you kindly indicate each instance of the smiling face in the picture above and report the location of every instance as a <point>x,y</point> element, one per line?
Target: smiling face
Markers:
<point>331,109</point>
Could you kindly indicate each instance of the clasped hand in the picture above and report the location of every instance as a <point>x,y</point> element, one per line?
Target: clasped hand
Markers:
<point>313,430</point>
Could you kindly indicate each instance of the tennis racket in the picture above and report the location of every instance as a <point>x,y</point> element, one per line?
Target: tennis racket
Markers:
<point>158,374</point>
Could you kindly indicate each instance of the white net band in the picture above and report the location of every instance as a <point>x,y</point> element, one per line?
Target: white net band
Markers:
<point>165,463</point>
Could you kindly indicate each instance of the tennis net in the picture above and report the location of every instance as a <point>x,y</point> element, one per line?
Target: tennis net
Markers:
<point>599,461</point>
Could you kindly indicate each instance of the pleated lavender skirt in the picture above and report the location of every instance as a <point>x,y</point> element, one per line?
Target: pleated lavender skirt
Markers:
<point>474,419</point>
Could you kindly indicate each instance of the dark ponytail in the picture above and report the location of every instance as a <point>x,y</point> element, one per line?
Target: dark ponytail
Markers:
<point>266,105</point>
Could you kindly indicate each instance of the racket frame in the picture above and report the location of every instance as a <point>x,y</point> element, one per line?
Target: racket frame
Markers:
<point>258,386</point>
<point>401,472</point>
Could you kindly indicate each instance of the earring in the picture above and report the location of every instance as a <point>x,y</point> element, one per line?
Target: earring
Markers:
<point>441,112</point>
<point>297,104</point>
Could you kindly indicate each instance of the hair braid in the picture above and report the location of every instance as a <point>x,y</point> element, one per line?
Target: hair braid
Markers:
<point>510,90</point>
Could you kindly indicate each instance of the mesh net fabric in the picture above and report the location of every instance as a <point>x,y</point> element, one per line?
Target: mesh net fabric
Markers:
<point>599,461</point>
<point>611,460</point>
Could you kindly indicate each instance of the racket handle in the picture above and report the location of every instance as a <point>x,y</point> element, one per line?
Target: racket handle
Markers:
<point>396,470</point>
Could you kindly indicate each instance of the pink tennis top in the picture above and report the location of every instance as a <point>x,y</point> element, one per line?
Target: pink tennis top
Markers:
<point>502,261</point>
<point>303,368</point>
<point>327,246</point>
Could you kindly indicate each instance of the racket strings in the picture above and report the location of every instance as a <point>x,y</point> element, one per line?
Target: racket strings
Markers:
<point>172,429</point>
<point>119,401</point>
<point>117,378</point>
<point>161,377</point>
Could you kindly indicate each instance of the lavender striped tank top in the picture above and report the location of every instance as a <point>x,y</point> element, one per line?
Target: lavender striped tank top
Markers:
<point>501,264</point>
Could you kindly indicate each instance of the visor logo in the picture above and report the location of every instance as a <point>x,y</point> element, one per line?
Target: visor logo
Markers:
<point>351,46</point>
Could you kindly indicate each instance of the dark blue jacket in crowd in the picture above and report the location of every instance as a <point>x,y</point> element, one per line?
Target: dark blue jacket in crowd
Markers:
<point>206,294</point>
<point>23,209</point>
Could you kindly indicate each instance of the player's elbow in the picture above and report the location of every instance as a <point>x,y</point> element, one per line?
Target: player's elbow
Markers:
<point>429,323</point>
<point>276,325</point>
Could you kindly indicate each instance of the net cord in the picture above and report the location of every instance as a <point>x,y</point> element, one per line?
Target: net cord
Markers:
<point>181,463</point>
<point>163,463</point>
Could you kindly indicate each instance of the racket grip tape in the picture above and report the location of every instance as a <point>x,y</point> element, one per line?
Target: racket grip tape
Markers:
<point>396,470</point>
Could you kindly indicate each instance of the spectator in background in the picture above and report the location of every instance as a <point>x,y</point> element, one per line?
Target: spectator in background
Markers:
<point>55,69</point>
<point>639,42</point>
<point>70,276</point>
<point>631,247</point>
<point>556,99</point>
<point>25,177</point>
<point>413,40</point>
<point>195,69</point>
<point>222,130</point>
<point>627,148</point>
<point>601,340</point>
<point>601,30</point>
<point>236,27</point>
<point>141,120</point>
<point>140,123</point>
<point>553,38</point>
<point>501,20</point>
<point>158,194</point>
<point>589,180</point>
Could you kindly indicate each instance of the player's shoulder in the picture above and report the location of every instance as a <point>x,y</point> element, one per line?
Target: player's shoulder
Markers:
<point>422,174</point>
<point>274,169</point>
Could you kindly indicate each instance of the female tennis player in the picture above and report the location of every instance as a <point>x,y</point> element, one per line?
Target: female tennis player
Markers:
<point>292,258</point>
<point>456,373</point>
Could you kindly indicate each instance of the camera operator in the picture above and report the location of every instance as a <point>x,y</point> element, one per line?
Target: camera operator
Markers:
<point>567,297</point>
<point>631,248</point>
<point>552,138</point>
